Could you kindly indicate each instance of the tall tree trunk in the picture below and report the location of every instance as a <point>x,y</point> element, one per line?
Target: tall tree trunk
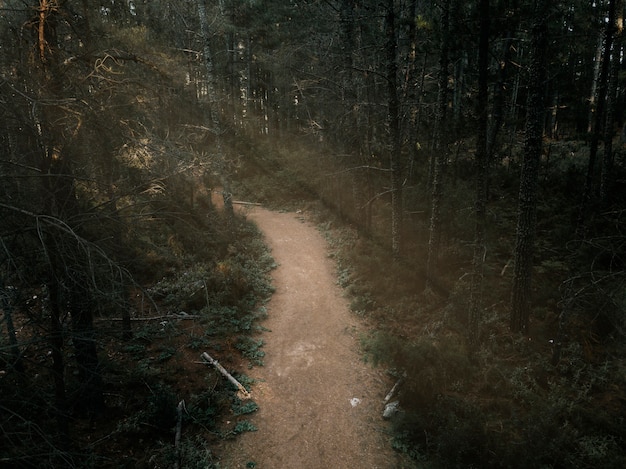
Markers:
<point>513,108</point>
<point>459,91</point>
<point>59,200</point>
<point>86,354</point>
<point>441,145</point>
<point>593,97</point>
<point>351,145</point>
<point>606,176</point>
<point>214,110</point>
<point>411,91</point>
<point>598,118</point>
<point>526,222</point>
<point>6,304</point>
<point>394,133</point>
<point>52,303</point>
<point>482,165</point>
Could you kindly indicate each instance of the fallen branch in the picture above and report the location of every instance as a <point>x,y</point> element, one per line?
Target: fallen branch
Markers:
<point>208,360</point>
<point>240,202</point>
<point>179,429</point>
<point>393,391</point>
<point>156,318</point>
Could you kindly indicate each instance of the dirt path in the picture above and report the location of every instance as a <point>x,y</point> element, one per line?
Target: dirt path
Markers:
<point>320,405</point>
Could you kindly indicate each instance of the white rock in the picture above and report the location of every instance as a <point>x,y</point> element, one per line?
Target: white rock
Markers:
<point>355,401</point>
<point>391,409</point>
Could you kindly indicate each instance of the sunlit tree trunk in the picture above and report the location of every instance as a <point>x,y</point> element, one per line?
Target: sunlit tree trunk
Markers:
<point>526,222</point>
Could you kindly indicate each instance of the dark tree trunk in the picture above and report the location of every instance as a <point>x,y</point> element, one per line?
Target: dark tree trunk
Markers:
<point>214,110</point>
<point>606,176</point>
<point>84,340</point>
<point>53,304</point>
<point>524,247</point>
<point>350,144</point>
<point>482,165</point>
<point>411,91</point>
<point>58,194</point>
<point>598,118</point>
<point>441,145</point>
<point>6,304</point>
<point>394,133</point>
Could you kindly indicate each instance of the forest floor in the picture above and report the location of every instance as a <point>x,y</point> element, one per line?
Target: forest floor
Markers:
<point>320,404</point>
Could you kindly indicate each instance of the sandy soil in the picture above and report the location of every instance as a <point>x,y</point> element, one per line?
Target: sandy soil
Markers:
<point>320,404</point>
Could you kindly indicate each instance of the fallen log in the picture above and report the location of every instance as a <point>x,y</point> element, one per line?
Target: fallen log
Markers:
<point>208,360</point>
<point>155,318</point>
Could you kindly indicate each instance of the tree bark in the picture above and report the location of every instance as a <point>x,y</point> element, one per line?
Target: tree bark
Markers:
<point>7,308</point>
<point>606,175</point>
<point>394,132</point>
<point>441,146</point>
<point>525,236</point>
<point>60,201</point>
<point>598,118</point>
<point>482,165</point>
<point>51,302</point>
<point>86,353</point>
<point>214,110</point>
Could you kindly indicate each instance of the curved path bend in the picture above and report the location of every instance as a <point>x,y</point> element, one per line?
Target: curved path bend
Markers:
<point>319,404</point>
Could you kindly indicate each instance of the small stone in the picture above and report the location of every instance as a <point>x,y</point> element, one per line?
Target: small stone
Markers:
<point>391,409</point>
<point>355,401</point>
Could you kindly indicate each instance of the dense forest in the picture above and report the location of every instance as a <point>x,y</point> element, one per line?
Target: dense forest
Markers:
<point>465,159</point>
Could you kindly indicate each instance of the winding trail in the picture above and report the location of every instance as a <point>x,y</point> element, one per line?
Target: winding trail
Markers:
<point>319,403</point>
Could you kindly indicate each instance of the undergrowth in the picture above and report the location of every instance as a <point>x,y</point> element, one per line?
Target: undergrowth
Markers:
<point>216,283</point>
<point>552,399</point>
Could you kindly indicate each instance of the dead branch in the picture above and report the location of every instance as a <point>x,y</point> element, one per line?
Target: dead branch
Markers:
<point>391,393</point>
<point>179,429</point>
<point>239,202</point>
<point>157,318</point>
<point>208,360</point>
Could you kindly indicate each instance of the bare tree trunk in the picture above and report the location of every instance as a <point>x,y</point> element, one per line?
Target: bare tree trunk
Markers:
<point>441,145</point>
<point>512,111</point>
<point>593,97</point>
<point>459,91</point>
<point>482,165</point>
<point>60,200</point>
<point>214,107</point>
<point>394,133</point>
<point>349,93</point>
<point>606,175</point>
<point>84,340</point>
<point>411,90</point>
<point>525,238</point>
<point>51,302</point>
<point>598,118</point>
<point>6,295</point>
